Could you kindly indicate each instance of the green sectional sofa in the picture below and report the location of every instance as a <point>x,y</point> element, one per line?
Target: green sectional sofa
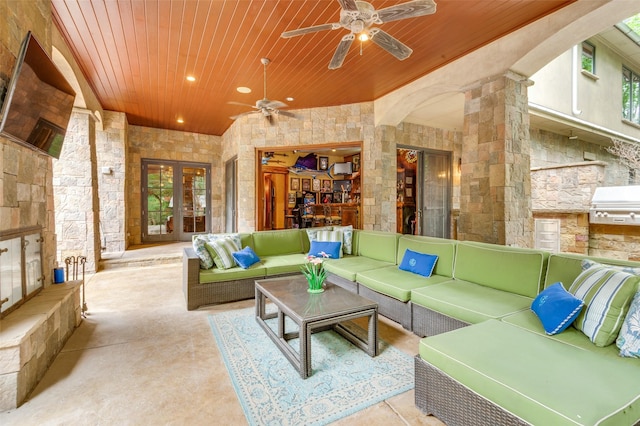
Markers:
<point>486,359</point>
<point>508,371</point>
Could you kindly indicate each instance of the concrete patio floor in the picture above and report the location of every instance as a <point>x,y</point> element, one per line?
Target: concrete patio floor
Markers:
<point>141,358</point>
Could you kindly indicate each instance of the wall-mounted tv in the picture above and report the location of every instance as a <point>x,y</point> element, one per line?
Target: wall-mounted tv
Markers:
<point>342,168</point>
<point>38,101</point>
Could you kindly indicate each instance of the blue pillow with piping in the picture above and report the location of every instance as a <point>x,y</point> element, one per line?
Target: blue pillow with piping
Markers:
<point>245,257</point>
<point>418,263</point>
<point>332,248</point>
<point>556,308</point>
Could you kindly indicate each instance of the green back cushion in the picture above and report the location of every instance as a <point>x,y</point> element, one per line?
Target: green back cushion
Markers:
<point>378,245</point>
<point>273,243</point>
<point>509,269</point>
<point>444,249</point>
<point>565,268</point>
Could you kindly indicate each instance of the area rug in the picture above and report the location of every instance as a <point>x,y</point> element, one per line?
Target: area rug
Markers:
<point>344,379</point>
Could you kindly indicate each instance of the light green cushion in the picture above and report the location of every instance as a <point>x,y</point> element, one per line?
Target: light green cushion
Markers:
<point>221,251</point>
<point>537,378</point>
<point>510,269</point>
<point>273,243</point>
<point>395,283</point>
<point>348,266</point>
<point>565,267</point>
<point>378,245</point>
<point>469,302</point>
<point>219,275</point>
<point>284,263</point>
<point>607,294</point>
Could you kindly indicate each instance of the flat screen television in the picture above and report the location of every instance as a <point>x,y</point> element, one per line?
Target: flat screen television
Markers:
<point>342,168</point>
<point>38,101</point>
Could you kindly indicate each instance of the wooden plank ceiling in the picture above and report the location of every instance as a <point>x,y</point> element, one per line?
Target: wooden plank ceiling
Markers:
<point>136,54</point>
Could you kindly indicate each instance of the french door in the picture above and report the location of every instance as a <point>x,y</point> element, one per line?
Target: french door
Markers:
<point>176,199</point>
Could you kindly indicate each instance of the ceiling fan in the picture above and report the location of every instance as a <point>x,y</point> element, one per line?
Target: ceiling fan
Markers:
<point>264,106</point>
<point>359,16</point>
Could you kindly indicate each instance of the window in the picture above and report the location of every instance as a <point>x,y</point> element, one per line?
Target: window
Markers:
<point>588,57</point>
<point>630,95</point>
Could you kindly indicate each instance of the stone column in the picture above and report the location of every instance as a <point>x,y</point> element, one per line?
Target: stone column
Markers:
<point>75,188</point>
<point>495,182</point>
<point>111,153</point>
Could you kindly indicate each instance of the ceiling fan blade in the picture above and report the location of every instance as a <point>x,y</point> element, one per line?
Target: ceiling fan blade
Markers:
<point>390,44</point>
<point>241,104</point>
<point>349,5</point>
<point>341,51</point>
<point>308,30</point>
<point>289,114</point>
<point>409,9</point>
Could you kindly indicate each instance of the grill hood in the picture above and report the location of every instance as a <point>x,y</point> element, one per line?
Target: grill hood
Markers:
<point>616,205</point>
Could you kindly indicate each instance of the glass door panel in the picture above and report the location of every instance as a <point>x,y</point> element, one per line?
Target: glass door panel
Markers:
<point>159,201</point>
<point>33,263</point>
<point>10,272</point>
<point>194,199</point>
<point>435,211</point>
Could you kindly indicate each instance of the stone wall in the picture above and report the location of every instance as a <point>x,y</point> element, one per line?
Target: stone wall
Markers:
<point>25,175</point>
<point>111,152</point>
<point>614,241</point>
<point>319,126</point>
<point>551,149</point>
<point>160,144</point>
<point>566,188</point>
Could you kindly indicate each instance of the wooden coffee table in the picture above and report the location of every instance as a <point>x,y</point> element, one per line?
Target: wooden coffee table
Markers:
<point>332,309</point>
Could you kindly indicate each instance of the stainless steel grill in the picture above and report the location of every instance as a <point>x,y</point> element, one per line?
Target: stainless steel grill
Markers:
<point>616,205</point>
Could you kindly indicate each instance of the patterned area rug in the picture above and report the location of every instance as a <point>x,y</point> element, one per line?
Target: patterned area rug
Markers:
<point>345,379</point>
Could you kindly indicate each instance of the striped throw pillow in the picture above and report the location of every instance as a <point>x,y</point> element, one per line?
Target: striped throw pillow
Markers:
<point>330,236</point>
<point>221,250</point>
<point>607,295</point>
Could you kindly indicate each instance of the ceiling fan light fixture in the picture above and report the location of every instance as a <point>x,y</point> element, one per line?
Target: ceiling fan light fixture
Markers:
<point>363,36</point>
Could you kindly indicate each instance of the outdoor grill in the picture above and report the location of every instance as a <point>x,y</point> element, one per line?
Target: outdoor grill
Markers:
<point>616,205</point>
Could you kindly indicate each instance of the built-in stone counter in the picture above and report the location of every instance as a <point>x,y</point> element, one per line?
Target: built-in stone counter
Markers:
<point>32,336</point>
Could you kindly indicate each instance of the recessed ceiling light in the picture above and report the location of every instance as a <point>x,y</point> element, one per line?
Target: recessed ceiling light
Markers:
<point>180,120</point>
<point>289,99</point>
<point>191,78</point>
<point>243,89</point>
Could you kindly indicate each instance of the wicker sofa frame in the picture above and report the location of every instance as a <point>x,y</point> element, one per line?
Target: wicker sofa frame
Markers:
<point>389,307</point>
<point>439,395</point>
<point>426,322</point>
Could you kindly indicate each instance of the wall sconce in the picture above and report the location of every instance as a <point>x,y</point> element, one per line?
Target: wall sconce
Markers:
<point>460,165</point>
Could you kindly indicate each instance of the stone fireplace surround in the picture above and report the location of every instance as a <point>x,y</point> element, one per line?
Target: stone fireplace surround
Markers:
<point>32,336</point>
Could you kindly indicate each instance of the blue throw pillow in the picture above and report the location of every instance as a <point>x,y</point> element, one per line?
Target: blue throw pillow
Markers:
<point>556,308</point>
<point>245,257</point>
<point>332,248</point>
<point>418,263</point>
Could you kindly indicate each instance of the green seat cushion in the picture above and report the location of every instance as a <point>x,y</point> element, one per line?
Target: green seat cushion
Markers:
<point>215,275</point>
<point>348,266</point>
<point>527,320</point>
<point>469,302</point>
<point>537,378</point>
<point>394,282</point>
<point>284,263</point>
